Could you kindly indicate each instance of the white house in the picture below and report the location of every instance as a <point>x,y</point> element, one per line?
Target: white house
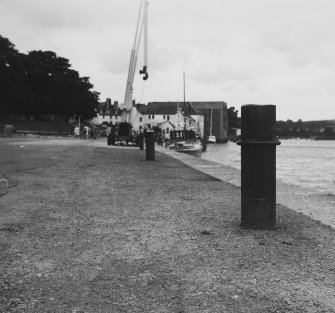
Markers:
<point>167,116</point>
<point>166,127</point>
<point>107,113</point>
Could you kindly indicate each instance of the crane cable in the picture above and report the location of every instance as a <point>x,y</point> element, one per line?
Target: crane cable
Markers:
<point>142,91</point>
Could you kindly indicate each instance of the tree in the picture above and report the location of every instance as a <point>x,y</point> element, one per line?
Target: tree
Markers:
<point>233,120</point>
<point>41,83</point>
<point>15,93</point>
<point>328,131</point>
<point>57,88</point>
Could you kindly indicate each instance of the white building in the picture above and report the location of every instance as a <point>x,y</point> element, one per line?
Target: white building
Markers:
<point>167,117</point>
<point>107,113</point>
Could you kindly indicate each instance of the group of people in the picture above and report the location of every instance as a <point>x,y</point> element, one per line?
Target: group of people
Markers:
<point>86,134</point>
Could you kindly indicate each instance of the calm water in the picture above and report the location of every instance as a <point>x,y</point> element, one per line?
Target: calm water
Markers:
<point>306,163</point>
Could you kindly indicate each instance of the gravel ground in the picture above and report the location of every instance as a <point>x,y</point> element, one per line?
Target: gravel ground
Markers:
<point>90,228</point>
<point>311,203</point>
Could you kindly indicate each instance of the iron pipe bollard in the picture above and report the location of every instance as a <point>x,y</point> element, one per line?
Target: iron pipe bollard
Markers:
<point>150,145</point>
<point>258,166</point>
<point>141,141</point>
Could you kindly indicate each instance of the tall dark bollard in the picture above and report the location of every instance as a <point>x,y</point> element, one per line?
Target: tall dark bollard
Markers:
<point>141,141</point>
<point>258,166</point>
<point>150,145</point>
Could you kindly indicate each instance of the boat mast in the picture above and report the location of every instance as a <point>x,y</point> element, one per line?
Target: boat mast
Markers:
<point>184,98</point>
<point>184,86</point>
<point>178,115</point>
<point>210,125</point>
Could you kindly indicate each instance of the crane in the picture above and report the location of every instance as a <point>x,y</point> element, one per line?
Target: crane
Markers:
<point>141,28</point>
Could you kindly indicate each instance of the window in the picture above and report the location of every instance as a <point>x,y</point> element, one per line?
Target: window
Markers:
<point>163,117</point>
<point>149,117</point>
<point>168,117</point>
<point>153,116</point>
<point>140,119</point>
<point>167,130</point>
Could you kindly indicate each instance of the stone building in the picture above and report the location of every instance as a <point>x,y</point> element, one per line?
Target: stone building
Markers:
<point>215,118</point>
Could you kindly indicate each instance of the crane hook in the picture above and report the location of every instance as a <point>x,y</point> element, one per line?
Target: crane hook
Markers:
<point>144,71</point>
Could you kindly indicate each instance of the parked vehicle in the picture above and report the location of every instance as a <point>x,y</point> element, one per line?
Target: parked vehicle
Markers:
<point>121,135</point>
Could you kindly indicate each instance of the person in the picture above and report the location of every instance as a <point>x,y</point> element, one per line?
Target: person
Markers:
<point>108,130</point>
<point>85,132</point>
<point>76,132</point>
<point>141,139</point>
<point>93,133</point>
<point>166,139</point>
<point>160,139</point>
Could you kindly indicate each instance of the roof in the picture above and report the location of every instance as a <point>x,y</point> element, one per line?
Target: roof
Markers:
<point>141,107</point>
<point>209,105</point>
<point>167,122</point>
<point>107,108</point>
<point>167,108</point>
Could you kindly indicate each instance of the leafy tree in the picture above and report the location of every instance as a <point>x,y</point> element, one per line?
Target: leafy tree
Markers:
<point>328,131</point>
<point>233,120</point>
<point>57,88</point>
<point>41,83</point>
<point>15,93</point>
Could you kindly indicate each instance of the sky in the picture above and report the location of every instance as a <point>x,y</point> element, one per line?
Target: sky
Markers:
<point>279,52</point>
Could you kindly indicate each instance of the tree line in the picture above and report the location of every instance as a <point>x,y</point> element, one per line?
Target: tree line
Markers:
<point>289,128</point>
<point>305,129</point>
<point>41,83</point>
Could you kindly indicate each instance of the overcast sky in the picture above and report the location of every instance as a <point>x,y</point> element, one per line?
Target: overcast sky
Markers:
<point>278,52</point>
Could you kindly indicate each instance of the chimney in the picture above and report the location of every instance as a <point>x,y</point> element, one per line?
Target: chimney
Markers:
<point>116,106</point>
<point>108,105</point>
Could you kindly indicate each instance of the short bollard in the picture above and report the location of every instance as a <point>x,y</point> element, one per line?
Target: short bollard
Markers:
<point>150,145</point>
<point>258,166</point>
<point>141,141</point>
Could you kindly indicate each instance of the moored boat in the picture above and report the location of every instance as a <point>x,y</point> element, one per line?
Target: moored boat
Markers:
<point>185,141</point>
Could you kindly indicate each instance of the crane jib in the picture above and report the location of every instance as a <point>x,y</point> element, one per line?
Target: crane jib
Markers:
<point>141,29</point>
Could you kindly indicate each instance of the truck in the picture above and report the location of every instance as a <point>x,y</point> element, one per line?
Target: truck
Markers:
<point>122,134</point>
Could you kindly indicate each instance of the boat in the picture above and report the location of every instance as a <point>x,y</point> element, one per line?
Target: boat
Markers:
<point>185,141</point>
<point>182,139</point>
<point>211,138</point>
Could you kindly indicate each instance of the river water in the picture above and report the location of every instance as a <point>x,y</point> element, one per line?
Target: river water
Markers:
<point>306,163</point>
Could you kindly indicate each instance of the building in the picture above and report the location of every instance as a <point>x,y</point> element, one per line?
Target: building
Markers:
<point>215,118</point>
<point>107,113</point>
<point>167,116</point>
<point>206,117</point>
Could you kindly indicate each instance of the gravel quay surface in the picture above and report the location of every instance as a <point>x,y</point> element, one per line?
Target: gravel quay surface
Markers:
<point>89,228</point>
<point>314,204</point>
